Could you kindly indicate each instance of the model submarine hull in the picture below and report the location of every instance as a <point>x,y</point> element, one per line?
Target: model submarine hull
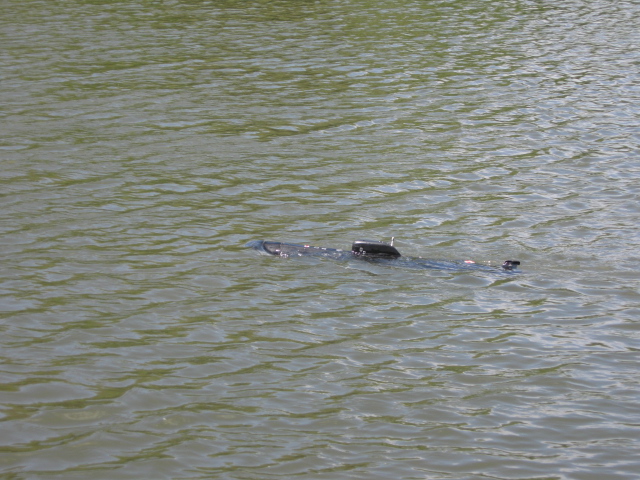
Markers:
<point>370,250</point>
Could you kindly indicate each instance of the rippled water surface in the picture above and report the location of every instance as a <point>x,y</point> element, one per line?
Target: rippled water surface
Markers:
<point>143,144</point>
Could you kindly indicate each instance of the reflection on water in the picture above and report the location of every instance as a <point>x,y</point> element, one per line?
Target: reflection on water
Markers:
<point>145,144</point>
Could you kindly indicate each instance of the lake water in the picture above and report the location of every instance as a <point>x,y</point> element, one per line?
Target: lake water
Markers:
<point>143,144</point>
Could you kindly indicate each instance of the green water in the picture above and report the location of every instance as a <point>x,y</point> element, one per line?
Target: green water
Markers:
<point>143,144</point>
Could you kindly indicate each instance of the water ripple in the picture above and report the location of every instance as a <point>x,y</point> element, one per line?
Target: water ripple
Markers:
<point>145,145</point>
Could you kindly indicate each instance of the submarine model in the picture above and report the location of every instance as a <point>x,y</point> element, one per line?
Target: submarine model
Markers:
<point>375,251</point>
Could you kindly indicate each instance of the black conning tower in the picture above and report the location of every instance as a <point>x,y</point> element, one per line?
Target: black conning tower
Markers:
<point>372,248</point>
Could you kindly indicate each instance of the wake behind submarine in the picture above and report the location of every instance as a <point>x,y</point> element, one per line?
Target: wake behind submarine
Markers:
<point>375,251</point>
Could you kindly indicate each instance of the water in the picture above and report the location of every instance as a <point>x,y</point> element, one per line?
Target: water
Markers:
<point>145,143</point>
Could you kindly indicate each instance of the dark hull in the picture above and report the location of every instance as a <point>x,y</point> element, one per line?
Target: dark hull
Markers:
<point>282,249</point>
